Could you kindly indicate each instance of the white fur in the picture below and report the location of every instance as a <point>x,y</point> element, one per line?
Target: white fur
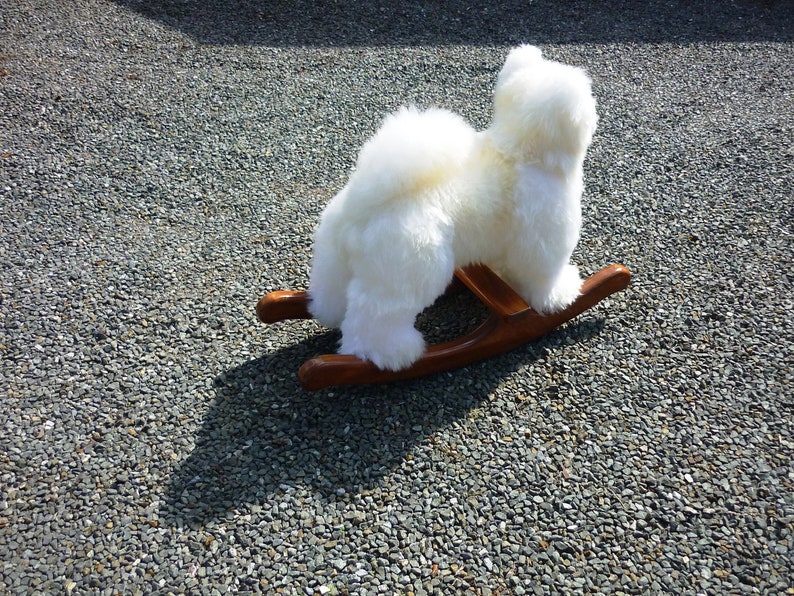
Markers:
<point>430,194</point>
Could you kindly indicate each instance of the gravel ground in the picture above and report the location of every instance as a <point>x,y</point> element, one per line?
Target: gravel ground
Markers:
<point>163,167</point>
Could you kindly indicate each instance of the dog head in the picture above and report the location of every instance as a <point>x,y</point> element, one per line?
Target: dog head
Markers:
<point>544,111</point>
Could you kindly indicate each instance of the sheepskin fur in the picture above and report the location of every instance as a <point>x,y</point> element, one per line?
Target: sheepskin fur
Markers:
<point>429,194</point>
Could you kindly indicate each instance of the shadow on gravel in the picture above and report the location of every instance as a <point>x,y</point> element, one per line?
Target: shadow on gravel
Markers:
<point>263,434</point>
<point>461,22</point>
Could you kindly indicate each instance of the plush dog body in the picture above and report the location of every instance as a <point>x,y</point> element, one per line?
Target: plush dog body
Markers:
<point>430,194</point>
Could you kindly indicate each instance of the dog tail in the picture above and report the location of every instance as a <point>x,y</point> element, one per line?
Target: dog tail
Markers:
<point>412,151</point>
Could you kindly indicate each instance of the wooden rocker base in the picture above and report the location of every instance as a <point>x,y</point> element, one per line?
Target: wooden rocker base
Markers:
<point>511,323</point>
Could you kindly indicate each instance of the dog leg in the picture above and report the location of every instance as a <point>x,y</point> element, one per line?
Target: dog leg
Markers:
<point>379,326</point>
<point>380,317</point>
<point>390,341</point>
<point>328,283</point>
<point>330,272</point>
<point>549,294</point>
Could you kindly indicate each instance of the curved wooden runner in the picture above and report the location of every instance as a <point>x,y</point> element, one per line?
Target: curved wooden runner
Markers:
<point>511,323</point>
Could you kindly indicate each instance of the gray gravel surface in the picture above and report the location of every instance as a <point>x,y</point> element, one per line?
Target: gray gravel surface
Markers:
<point>163,165</point>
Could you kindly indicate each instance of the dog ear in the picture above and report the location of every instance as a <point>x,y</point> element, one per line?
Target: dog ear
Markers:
<point>518,58</point>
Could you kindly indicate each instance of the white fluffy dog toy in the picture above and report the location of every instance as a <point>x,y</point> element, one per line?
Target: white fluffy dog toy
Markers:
<point>430,194</point>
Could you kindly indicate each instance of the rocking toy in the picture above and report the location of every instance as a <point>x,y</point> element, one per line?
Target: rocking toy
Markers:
<point>511,323</point>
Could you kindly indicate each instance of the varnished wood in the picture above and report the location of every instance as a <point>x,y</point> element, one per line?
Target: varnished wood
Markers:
<point>511,323</point>
<point>491,289</point>
<point>281,305</point>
